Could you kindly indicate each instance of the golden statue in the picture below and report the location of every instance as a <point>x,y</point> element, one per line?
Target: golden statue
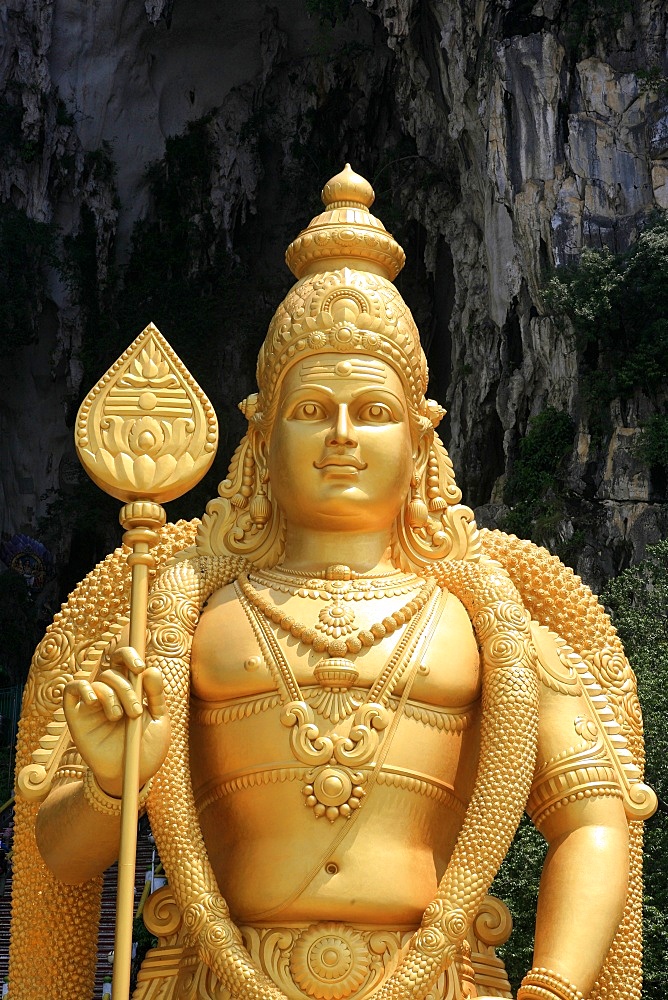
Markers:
<point>351,694</point>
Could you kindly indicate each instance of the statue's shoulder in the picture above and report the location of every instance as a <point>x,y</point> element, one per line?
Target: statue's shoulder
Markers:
<point>196,576</point>
<point>224,601</point>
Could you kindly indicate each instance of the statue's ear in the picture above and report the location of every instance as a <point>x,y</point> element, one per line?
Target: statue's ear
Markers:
<point>421,455</point>
<point>259,447</point>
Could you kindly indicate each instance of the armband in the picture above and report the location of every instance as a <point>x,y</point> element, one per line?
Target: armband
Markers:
<point>578,773</point>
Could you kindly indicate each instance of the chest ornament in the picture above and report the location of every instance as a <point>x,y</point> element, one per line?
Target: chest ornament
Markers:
<point>334,630</point>
<point>339,765</point>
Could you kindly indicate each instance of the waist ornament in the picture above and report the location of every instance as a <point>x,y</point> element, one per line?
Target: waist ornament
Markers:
<point>328,960</point>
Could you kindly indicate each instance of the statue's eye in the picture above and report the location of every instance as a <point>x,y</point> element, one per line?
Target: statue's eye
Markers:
<point>308,411</point>
<point>376,413</point>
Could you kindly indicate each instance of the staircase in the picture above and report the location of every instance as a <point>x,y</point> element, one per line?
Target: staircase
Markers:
<point>5,914</point>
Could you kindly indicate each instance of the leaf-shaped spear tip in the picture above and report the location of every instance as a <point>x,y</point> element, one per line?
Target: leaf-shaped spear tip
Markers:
<point>146,431</point>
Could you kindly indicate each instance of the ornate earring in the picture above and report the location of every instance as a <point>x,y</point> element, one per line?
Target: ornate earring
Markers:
<point>260,505</point>
<point>417,514</point>
<point>240,499</point>
<point>436,501</point>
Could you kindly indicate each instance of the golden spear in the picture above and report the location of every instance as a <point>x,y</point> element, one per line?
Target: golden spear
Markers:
<point>146,434</point>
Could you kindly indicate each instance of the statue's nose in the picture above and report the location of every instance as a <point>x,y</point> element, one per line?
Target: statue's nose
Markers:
<point>343,432</point>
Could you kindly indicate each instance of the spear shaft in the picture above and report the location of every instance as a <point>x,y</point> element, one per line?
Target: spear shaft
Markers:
<point>138,519</point>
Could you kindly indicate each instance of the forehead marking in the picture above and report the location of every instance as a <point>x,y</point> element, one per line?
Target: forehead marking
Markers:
<point>370,370</point>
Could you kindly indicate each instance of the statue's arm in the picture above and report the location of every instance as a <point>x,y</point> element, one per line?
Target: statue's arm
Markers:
<point>576,804</point>
<point>78,824</point>
<point>76,841</point>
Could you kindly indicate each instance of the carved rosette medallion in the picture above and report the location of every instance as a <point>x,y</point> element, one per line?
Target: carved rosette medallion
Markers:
<point>336,621</point>
<point>146,430</point>
<point>330,961</point>
<point>335,791</point>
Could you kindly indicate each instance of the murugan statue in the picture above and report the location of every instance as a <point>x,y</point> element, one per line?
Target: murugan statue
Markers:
<point>351,695</point>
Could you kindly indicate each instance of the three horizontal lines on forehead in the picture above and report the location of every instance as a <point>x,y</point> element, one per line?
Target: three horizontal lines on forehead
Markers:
<point>372,371</point>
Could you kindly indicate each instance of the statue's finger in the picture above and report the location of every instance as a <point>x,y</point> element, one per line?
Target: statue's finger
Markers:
<point>77,692</point>
<point>123,691</point>
<point>108,701</point>
<point>128,657</point>
<point>155,693</point>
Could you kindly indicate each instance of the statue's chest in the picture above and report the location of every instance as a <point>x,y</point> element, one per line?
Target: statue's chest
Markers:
<point>239,653</point>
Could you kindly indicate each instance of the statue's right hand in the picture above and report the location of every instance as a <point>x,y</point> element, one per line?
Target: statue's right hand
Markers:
<point>96,713</point>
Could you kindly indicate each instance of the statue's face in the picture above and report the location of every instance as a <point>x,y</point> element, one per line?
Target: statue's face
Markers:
<point>340,454</point>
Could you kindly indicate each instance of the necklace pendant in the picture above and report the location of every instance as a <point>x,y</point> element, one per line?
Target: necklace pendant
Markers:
<point>336,673</point>
<point>334,791</point>
<point>335,701</point>
<point>335,621</point>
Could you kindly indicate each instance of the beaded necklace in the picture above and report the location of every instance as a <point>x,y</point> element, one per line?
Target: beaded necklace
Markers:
<point>333,632</point>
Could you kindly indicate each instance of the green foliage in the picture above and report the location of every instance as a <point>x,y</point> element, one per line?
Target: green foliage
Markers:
<point>652,81</point>
<point>517,885</point>
<point>26,247</point>
<point>100,163</point>
<point>63,115</point>
<point>587,20</point>
<point>618,304</point>
<point>543,451</point>
<point>653,445</point>
<point>638,601</point>
<point>534,488</point>
<point>145,941</point>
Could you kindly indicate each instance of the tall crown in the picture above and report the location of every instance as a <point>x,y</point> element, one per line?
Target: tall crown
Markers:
<point>346,234</point>
<point>344,301</point>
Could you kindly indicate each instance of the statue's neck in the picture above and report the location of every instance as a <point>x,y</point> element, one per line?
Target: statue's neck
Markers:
<point>313,550</point>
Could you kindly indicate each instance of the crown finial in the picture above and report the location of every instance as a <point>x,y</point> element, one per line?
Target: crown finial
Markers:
<point>346,234</point>
<point>348,189</point>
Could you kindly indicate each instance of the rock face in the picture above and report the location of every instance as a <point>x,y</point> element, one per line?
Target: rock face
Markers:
<point>501,139</point>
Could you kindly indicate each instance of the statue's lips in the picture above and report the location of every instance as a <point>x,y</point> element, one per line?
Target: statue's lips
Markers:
<point>341,462</point>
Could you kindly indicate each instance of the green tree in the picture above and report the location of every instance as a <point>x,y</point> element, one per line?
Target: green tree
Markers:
<point>618,306</point>
<point>638,601</point>
<point>534,488</point>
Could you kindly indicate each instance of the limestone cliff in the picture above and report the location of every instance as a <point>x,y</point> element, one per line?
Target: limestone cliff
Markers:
<point>166,153</point>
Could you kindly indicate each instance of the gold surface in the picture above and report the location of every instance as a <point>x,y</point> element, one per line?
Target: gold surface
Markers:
<point>343,768</point>
<point>146,430</point>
